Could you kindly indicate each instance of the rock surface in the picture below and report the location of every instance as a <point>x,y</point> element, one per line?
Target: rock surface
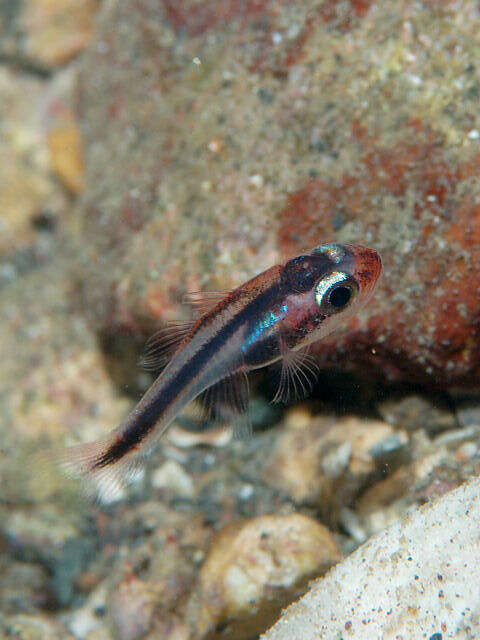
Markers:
<point>349,120</point>
<point>396,585</point>
<point>235,133</point>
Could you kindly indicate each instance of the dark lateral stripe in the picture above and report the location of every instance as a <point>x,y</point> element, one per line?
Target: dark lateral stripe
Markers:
<point>147,419</point>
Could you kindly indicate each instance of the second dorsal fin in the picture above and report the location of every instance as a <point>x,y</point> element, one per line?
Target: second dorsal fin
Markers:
<point>161,346</point>
<point>201,302</point>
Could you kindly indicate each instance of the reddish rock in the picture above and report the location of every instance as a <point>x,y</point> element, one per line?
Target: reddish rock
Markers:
<point>220,136</point>
<point>425,320</point>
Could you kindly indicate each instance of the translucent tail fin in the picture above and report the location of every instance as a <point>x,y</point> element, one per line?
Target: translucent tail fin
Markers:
<point>104,483</point>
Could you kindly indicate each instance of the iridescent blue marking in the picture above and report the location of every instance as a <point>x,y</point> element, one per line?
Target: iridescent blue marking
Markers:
<point>268,321</point>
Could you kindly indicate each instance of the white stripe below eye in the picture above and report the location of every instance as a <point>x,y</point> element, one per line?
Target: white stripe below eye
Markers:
<point>327,283</point>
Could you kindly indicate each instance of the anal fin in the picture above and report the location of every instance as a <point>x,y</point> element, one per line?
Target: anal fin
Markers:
<point>229,400</point>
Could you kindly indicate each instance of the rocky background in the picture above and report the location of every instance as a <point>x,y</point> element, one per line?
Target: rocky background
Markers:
<point>149,148</point>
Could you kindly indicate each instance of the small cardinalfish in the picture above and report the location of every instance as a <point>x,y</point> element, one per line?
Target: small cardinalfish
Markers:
<point>275,316</point>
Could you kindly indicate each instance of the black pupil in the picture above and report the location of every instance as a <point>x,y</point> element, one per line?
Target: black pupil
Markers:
<point>340,296</point>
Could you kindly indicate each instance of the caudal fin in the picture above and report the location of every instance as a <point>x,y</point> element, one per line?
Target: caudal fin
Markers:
<point>105,483</point>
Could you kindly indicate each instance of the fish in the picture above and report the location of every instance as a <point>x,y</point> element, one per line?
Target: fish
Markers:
<point>274,317</point>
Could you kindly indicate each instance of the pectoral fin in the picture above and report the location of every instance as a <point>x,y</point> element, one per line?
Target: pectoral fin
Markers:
<point>298,375</point>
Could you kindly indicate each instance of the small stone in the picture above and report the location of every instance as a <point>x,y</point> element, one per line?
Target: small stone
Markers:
<point>352,525</point>
<point>295,466</point>
<point>171,627</point>
<point>100,633</point>
<point>386,500</point>
<point>43,532</point>
<point>468,411</point>
<point>335,462</point>
<point>62,131</point>
<point>466,451</point>
<point>452,438</point>
<point>65,148</point>
<point>373,507</point>
<point>55,31</point>
<point>390,445</point>
<point>131,608</point>
<point>256,180</point>
<point>24,587</point>
<point>33,627</point>
<point>298,417</point>
<point>216,145</point>
<point>418,412</point>
<point>256,566</point>
<point>85,620</point>
<point>149,585</point>
<point>185,438</point>
<point>328,461</point>
<point>173,476</point>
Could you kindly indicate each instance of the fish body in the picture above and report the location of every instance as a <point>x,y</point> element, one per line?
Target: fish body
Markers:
<point>274,316</point>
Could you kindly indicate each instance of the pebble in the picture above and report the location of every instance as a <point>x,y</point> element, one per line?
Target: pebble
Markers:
<point>468,411</point>
<point>83,621</point>
<point>256,566</point>
<point>411,412</point>
<point>53,31</point>
<point>33,627</point>
<point>173,476</point>
<point>184,438</point>
<point>319,463</point>
<point>63,137</point>
<point>131,608</point>
<point>24,587</point>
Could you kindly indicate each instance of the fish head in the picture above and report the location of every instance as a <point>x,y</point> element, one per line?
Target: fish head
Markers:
<point>325,287</point>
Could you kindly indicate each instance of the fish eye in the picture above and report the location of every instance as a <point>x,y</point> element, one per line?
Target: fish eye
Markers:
<point>335,292</point>
<point>340,296</point>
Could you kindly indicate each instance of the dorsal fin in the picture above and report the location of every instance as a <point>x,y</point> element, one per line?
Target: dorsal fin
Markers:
<point>201,302</point>
<point>161,346</point>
